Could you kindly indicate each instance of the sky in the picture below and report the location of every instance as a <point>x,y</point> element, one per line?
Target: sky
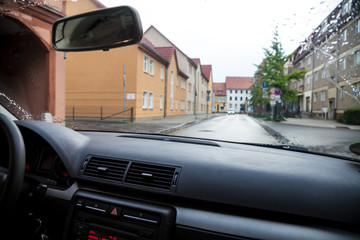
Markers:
<point>231,34</point>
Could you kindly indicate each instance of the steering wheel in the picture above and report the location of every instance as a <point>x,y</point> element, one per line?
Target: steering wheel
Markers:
<point>11,179</point>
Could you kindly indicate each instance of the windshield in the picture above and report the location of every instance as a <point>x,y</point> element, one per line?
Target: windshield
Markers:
<point>270,72</point>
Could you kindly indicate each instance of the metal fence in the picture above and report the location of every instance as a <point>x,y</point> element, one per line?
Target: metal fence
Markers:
<point>99,113</point>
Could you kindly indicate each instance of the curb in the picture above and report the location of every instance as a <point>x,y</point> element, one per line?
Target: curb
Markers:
<point>278,137</point>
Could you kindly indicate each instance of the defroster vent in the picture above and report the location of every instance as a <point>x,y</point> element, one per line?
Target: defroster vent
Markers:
<point>150,175</point>
<point>103,168</point>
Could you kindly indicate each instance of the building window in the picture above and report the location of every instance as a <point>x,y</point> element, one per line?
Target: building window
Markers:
<point>308,78</point>
<point>342,93</point>
<point>316,75</point>
<point>357,26</point>
<point>230,98</point>
<point>317,54</point>
<point>144,100</point>
<point>323,73</point>
<point>161,102</point>
<point>344,35</point>
<point>189,87</point>
<point>315,97</point>
<point>357,58</point>
<point>162,72</point>
<point>219,98</point>
<point>182,104</point>
<point>152,67</point>
<point>230,105</point>
<point>235,91</point>
<point>345,8</point>
<point>146,59</point>
<point>183,83</point>
<point>219,91</point>
<point>223,98</point>
<point>323,96</point>
<point>241,91</point>
<point>230,91</point>
<point>246,98</point>
<point>235,98</point>
<point>151,101</point>
<point>246,91</point>
<point>343,63</point>
<point>309,60</point>
<point>241,98</point>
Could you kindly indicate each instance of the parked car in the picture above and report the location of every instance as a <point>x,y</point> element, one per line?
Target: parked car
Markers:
<point>59,183</point>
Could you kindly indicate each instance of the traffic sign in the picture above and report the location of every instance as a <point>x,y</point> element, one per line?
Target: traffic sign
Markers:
<point>272,90</point>
<point>272,103</point>
<point>272,97</point>
<point>277,91</point>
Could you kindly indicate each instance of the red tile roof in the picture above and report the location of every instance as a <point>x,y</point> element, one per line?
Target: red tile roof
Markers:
<point>219,87</point>
<point>189,59</point>
<point>206,70</point>
<point>166,52</point>
<point>196,61</point>
<point>239,82</point>
<point>150,47</point>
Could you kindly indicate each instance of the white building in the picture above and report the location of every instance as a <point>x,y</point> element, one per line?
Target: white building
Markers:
<point>238,93</point>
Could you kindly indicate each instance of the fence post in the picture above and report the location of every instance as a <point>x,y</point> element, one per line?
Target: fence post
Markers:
<point>101,113</point>
<point>73,113</point>
<point>132,114</point>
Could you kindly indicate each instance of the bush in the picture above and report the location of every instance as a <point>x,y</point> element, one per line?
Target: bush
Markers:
<point>340,118</point>
<point>352,116</point>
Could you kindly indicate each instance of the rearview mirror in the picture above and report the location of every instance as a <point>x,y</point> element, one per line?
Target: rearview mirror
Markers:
<point>97,30</point>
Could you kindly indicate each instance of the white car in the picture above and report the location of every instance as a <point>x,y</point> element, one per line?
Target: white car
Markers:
<point>231,112</point>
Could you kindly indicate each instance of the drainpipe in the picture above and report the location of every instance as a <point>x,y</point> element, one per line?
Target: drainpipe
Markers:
<point>165,91</point>
<point>336,73</point>
<point>312,82</point>
<point>195,93</point>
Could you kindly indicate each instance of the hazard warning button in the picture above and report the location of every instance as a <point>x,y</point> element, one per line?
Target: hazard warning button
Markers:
<point>115,211</point>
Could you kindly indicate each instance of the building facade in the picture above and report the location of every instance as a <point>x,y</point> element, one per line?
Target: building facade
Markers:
<point>238,93</point>
<point>331,57</point>
<point>219,91</point>
<point>32,72</point>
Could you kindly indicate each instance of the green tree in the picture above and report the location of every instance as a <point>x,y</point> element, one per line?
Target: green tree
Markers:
<point>272,71</point>
<point>257,98</point>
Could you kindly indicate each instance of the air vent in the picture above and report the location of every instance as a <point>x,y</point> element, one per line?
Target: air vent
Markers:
<point>103,168</point>
<point>151,175</point>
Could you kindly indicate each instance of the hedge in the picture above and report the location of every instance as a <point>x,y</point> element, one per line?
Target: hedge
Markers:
<point>351,116</point>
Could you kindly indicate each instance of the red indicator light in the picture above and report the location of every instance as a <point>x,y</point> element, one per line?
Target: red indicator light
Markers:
<point>27,166</point>
<point>64,173</point>
<point>91,232</point>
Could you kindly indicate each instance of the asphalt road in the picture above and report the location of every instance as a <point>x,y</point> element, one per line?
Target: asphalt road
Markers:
<point>238,128</point>
<point>242,128</point>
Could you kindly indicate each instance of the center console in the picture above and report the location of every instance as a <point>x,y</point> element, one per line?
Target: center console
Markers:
<point>99,217</point>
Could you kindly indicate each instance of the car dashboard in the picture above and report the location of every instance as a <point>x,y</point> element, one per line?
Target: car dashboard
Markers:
<point>106,185</point>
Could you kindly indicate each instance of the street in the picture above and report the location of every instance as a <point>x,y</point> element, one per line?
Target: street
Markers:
<point>242,128</point>
<point>237,128</point>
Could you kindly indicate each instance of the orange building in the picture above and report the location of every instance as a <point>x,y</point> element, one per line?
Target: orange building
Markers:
<point>32,73</point>
<point>219,91</point>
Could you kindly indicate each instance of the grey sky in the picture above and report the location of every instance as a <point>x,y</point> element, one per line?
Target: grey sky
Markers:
<point>231,34</point>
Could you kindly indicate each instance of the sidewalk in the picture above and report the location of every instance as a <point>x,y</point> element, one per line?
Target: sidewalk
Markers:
<point>318,123</point>
<point>145,125</point>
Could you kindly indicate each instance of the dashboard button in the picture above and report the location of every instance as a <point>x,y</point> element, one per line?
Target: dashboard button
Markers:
<point>115,211</point>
